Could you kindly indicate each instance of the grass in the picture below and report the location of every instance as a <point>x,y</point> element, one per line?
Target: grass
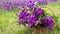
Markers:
<point>9,23</point>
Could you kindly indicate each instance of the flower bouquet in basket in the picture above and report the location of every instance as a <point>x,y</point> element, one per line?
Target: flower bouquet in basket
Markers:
<point>37,18</point>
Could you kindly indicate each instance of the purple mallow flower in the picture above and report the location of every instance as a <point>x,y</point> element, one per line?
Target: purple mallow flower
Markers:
<point>25,7</point>
<point>37,12</point>
<point>31,4</point>
<point>42,2</point>
<point>7,5</point>
<point>28,3</point>
<point>32,20</point>
<point>48,22</point>
<point>23,16</point>
<point>17,3</point>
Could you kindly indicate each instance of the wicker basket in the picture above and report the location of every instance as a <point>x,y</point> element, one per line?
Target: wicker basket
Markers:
<point>42,30</point>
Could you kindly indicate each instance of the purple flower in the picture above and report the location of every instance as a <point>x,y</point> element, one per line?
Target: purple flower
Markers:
<point>24,20</point>
<point>25,7</point>
<point>16,3</point>
<point>31,4</point>
<point>50,21</point>
<point>23,16</point>
<point>32,20</point>
<point>42,2</point>
<point>47,22</point>
<point>7,5</point>
<point>37,12</point>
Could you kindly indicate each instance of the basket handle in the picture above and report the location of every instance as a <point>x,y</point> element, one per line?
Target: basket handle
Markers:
<point>48,8</point>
